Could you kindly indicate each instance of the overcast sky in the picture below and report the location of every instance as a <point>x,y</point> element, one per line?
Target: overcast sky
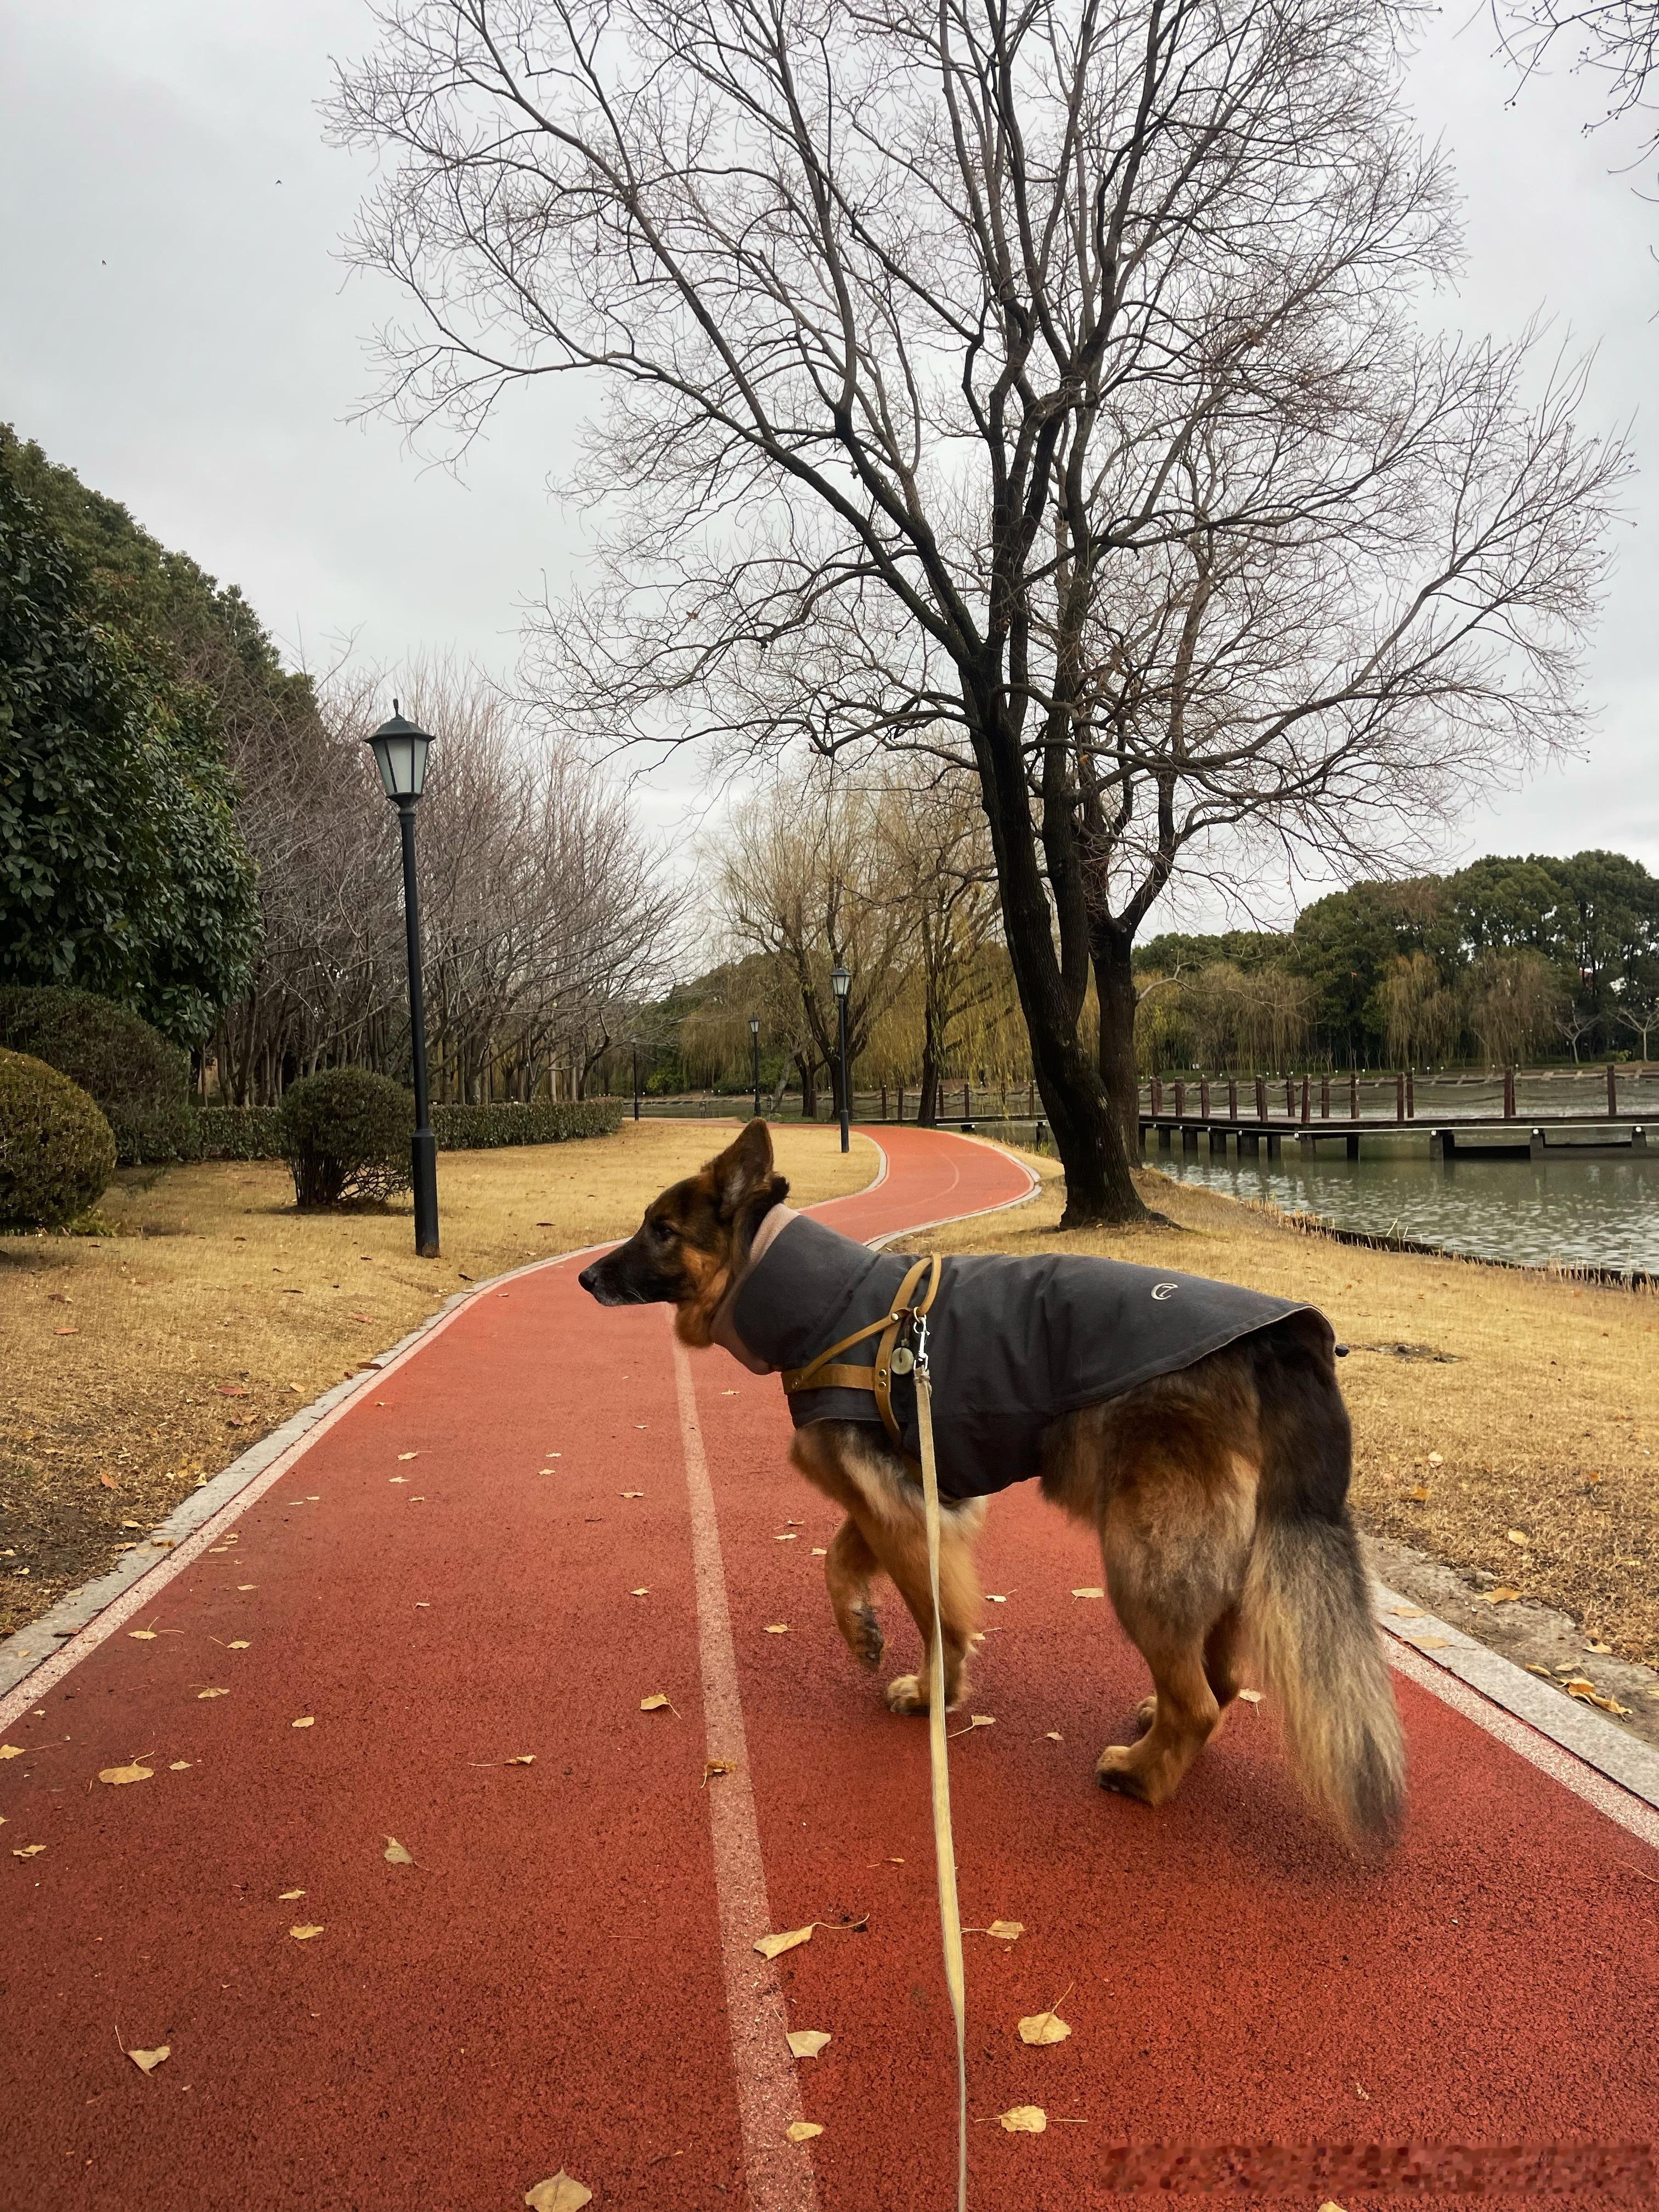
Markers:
<point>175,327</point>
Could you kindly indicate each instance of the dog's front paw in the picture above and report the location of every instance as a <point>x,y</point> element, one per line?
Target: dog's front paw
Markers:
<point>1119,1767</point>
<point>905,1694</point>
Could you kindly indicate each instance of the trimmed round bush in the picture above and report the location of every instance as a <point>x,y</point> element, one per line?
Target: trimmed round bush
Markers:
<point>138,1080</point>
<point>56,1154</point>
<point>345,1136</point>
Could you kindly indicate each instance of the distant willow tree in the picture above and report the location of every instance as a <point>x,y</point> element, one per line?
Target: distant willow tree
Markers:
<point>1039,388</point>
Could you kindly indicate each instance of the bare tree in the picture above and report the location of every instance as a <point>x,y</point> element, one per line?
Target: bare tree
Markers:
<point>806,876</point>
<point>1039,388</point>
<point>1617,41</point>
<point>944,878</point>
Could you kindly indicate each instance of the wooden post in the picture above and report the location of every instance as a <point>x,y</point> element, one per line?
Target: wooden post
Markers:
<point>1157,1095</point>
<point>1508,1094</point>
<point>1411,1096</point>
<point>883,1101</point>
<point>1324,1097</point>
<point>1180,1100</point>
<point>1232,1099</point>
<point>1400,1098</point>
<point>1307,1098</point>
<point>1290,1098</point>
<point>901,1105</point>
<point>1030,1097</point>
<point>1261,1098</point>
<point>967,1102</point>
<point>1204,1097</point>
<point>1353,1100</point>
<point>1613,1093</point>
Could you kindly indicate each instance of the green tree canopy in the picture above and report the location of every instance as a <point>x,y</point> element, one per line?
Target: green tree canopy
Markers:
<point>121,870</point>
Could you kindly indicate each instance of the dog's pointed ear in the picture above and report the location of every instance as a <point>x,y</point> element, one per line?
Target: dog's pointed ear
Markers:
<point>743,1168</point>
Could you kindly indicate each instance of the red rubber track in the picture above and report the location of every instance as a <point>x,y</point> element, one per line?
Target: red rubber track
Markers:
<point>543,1988</point>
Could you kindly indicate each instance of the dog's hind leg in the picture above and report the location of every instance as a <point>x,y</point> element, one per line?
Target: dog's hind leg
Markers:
<point>899,1541</point>
<point>1176,1540</point>
<point>847,1566</point>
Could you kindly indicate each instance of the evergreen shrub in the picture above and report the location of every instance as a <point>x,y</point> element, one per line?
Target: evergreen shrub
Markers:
<point>138,1080</point>
<point>345,1137</point>
<point>56,1154</point>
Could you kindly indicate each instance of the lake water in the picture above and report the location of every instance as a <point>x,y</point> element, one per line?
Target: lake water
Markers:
<point>1602,1214</point>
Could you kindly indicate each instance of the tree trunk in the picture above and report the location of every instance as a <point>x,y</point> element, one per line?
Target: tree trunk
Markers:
<point>1088,1132</point>
<point>1119,1075</point>
<point>927,1099</point>
<point>809,1086</point>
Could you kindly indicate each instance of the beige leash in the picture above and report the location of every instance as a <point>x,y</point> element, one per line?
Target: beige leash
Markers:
<point>938,1758</point>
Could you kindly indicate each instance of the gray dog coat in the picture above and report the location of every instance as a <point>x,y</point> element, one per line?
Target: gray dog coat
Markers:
<point>1013,1344</point>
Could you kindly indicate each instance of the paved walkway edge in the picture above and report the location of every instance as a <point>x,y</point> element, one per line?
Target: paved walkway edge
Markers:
<point>1616,1773</point>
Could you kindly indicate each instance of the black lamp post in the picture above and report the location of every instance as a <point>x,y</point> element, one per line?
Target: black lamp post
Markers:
<point>637,1078</point>
<point>841,982</point>
<point>754,1046</point>
<point>400,751</point>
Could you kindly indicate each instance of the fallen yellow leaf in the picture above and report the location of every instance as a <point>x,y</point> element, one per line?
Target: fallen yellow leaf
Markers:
<point>560,2192</point>
<point>976,1721</point>
<point>1024,2119</point>
<point>307,1720</point>
<point>820,1551</point>
<point>1043,2027</point>
<point>147,2061</point>
<point>213,1693</point>
<point>1006,1931</point>
<point>644,1592</point>
<point>1435,1460</point>
<point>1251,1697</point>
<point>29,1851</point>
<point>778,1628</point>
<point>712,1767</point>
<point>632,1493</point>
<point>11,1751</point>
<point>1419,1495</point>
<point>991,1598</point>
<point>1517,1536</point>
<point>414,1455</point>
<point>303,1930</point>
<point>520,1759</point>
<point>1055,1736</point>
<point>806,2042</point>
<point>180,1766</point>
<point>803,2130</point>
<point>241,1644</point>
<point>1088,1593</point>
<point>288,1896</point>
<point>774,1946</point>
<point>1502,1594</point>
<point>134,1773</point>
<point>142,1635</point>
<point>395,1855</point>
<point>656,1703</point>
<point>788,1536</point>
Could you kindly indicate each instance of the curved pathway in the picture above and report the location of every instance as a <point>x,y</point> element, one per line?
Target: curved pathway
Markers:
<point>463,1588</point>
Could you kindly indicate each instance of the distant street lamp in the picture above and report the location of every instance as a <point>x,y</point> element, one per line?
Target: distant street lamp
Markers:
<point>754,1046</point>
<point>841,982</point>
<point>400,751</point>
<point>636,1077</point>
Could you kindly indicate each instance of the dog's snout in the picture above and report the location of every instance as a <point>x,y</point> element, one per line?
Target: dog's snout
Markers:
<point>589,1277</point>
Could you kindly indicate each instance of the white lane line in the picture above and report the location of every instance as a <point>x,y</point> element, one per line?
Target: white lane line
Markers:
<point>779,2173</point>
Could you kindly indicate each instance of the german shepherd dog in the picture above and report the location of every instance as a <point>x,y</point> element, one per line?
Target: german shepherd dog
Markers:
<point>1218,1494</point>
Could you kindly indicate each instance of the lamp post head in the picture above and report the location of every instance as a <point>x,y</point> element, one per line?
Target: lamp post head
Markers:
<point>840,981</point>
<point>400,750</point>
<point>754,1026</point>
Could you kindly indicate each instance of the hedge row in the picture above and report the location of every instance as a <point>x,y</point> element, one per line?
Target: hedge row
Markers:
<point>254,1133</point>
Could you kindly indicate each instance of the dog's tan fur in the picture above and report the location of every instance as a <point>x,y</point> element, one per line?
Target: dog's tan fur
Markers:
<point>1217,1493</point>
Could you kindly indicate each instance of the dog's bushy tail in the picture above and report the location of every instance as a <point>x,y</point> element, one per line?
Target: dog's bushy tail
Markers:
<point>1307,1599</point>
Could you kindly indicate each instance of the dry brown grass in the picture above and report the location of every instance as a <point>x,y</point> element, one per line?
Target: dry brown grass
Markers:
<point>137,1364</point>
<point>1544,1414</point>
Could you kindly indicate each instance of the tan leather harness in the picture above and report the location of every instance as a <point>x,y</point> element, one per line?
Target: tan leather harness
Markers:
<point>828,1372</point>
